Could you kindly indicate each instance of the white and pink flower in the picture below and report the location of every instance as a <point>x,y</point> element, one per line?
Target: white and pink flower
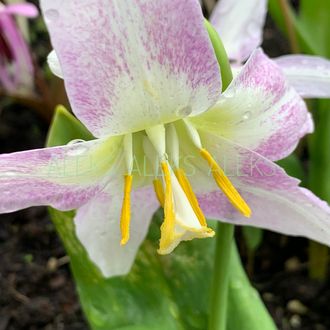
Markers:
<point>143,77</point>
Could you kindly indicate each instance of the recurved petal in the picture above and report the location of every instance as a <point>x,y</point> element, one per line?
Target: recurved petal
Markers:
<point>98,228</point>
<point>240,25</point>
<point>22,9</point>
<point>309,75</point>
<point>18,76</point>
<point>276,200</point>
<point>260,110</point>
<point>133,64</point>
<point>63,177</point>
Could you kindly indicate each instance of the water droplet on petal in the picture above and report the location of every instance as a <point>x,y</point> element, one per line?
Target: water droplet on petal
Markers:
<point>229,93</point>
<point>77,151</point>
<point>183,112</point>
<point>11,173</point>
<point>76,141</point>
<point>247,115</point>
<point>253,28</point>
<point>51,15</point>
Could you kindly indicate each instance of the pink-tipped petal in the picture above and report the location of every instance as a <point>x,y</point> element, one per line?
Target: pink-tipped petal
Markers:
<point>63,177</point>
<point>16,72</point>
<point>240,25</point>
<point>98,228</point>
<point>23,9</point>
<point>276,200</point>
<point>131,64</point>
<point>309,75</point>
<point>259,110</point>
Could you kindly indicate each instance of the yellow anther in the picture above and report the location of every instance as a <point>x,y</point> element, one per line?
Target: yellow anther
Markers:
<point>186,186</point>
<point>167,228</point>
<point>225,185</point>
<point>126,210</point>
<point>158,187</point>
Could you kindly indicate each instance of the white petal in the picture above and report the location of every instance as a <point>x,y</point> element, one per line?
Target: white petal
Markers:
<point>64,177</point>
<point>259,110</point>
<point>98,228</point>
<point>309,75</point>
<point>276,200</point>
<point>129,65</point>
<point>240,25</point>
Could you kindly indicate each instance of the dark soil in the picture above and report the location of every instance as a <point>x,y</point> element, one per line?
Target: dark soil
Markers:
<point>36,288</point>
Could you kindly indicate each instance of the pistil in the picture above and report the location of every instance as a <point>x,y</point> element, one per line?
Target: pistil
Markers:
<point>125,218</point>
<point>187,188</point>
<point>167,228</point>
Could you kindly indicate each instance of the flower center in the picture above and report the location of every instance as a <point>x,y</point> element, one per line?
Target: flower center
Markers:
<point>183,216</point>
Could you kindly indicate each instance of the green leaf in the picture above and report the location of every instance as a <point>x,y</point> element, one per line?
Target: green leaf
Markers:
<point>169,292</point>
<point>160,292</point>
<point>314,19</point>
<point>305,43</point>
<point>312,24</point>
<point>319,181</point>
<point>65,128</point>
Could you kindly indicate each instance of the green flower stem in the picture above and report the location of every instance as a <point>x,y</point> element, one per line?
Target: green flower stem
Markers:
<point>319,181</point>
<point>225,232</point>
<point>219,294</point>
<point>298,29</point>
<point>288,20</point>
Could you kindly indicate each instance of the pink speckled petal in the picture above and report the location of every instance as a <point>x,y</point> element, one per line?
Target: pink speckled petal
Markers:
<point>63,177</point>
<point>22,9</point>
<point>276,200</point>
<point>18,75</point>
<point>98,228</point>
<point>309,75</point>
<point>240,25</point>
<point>131,64</point>
<point>259,110</point>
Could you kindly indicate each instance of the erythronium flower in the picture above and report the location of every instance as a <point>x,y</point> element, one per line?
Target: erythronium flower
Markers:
<point>16,69</point>
<point>142,76</point>
<point>310,75</point>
